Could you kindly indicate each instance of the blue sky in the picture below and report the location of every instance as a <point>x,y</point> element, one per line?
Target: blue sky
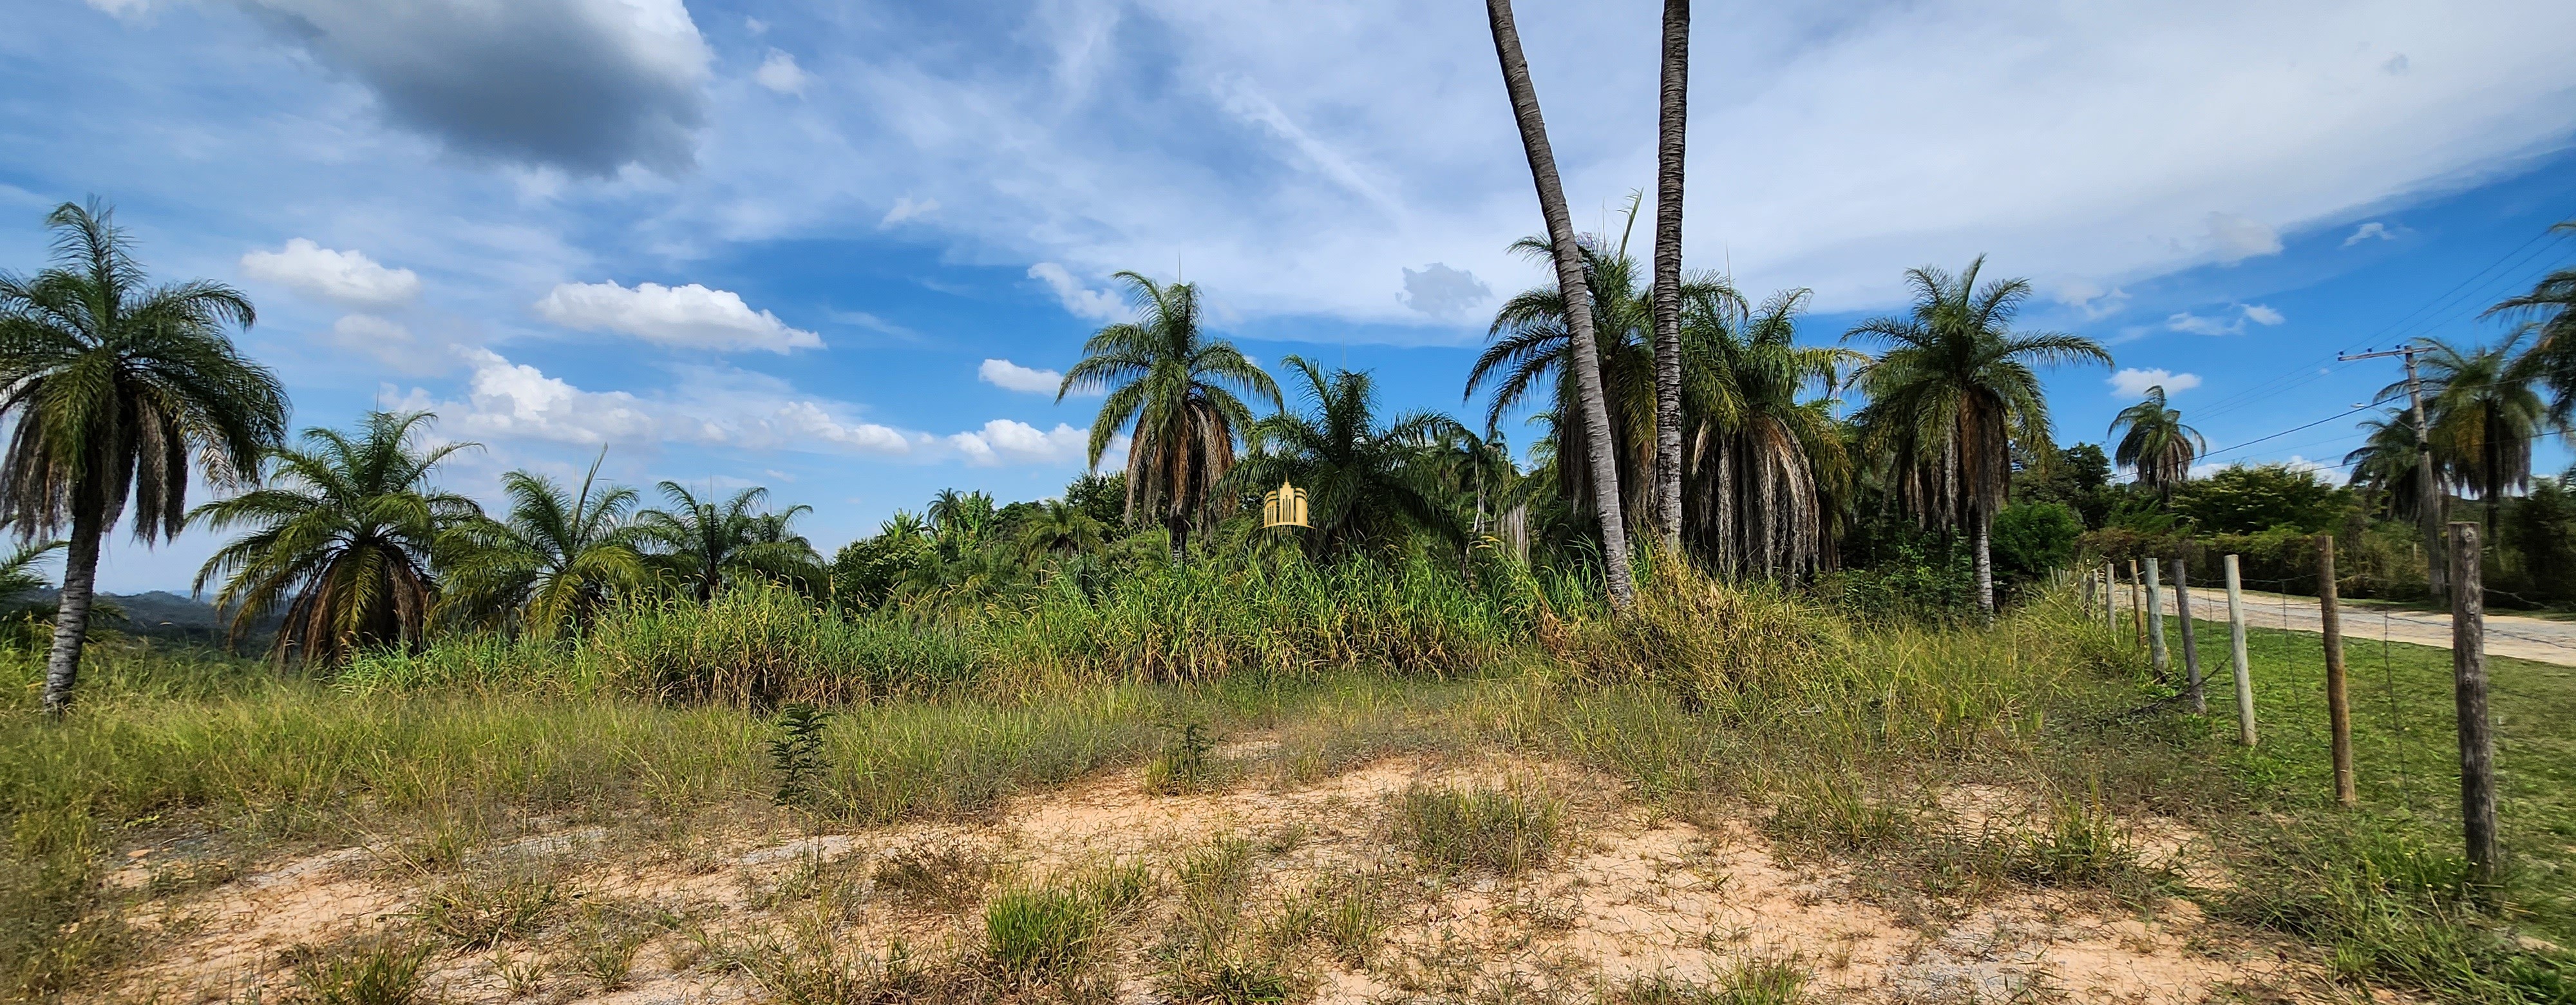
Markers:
<point>869,229</point>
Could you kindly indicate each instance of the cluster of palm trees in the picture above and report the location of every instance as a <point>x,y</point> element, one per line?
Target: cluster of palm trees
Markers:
<point>348,534</point>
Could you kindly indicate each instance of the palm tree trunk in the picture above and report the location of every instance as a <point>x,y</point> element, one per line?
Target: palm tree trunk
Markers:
<point>1578,301</point>
<point>1669,136</point>
<point>1985,563</point>
<point>71,620</point>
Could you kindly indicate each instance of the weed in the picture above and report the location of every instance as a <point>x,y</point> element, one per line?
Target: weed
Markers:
<point>1831,814</point>
<point>1040,933</point>
<point>1231,981</point>
<point>1750,982</point>
<point>797,754</point>
<point>1116,889</point>
<point>2082,844</point>
<point>54,929</point>
<point>1501,830</point>
<point>520,977</point>
<point>484,908</point>
<point>382,970</point>
<point>939,875</point>
<point>603,947</point>
<point>1217,869</point>
<point>1185,764</point>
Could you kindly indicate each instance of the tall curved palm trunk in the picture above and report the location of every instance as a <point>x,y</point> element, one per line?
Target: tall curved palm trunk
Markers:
<point>114,386</point>
<point>1578,300</point>
<point>1669,138</point>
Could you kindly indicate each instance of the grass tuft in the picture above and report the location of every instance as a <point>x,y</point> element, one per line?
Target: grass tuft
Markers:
<point>1498,830</point>
<point>382,970</point>
<point>1041,933</point>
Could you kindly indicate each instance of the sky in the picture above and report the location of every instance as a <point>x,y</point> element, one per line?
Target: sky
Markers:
<point>843,250</point>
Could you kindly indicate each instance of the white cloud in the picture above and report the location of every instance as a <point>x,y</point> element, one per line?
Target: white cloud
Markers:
<point>2134,383</point>
<point>2222,324</point>
<point>1006,441</point>
<point>515,401</point>
<point>1081,301</point>
<point>122,10</point>
<point>2089,296</point>
<point>345,277</point>
<point>907,208</point>
<point>690,316</point>
<point>1009,376</point>
<point>1440,291</point>
<point>2236,238</point>
<point>392,345</point>
<point>780,73</point>
<point>2368,231</point>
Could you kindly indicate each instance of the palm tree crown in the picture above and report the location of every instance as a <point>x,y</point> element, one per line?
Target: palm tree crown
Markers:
<point>1954,394</point>
<point>705,545</point>
<point>2157,446</point>
<point>347,527</point>
<point>114,384</point>
<point>2548,314</point>
<point>2480,415</point>
<point>1174,389</point>
<point>1366,482</point>
<point>1765,470</point>
<point>554,561</point>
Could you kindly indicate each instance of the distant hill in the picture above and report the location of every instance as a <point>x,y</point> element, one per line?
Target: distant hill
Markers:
<point>172,617</point>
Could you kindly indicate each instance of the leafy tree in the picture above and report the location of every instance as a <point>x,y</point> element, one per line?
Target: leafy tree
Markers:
<point>2246,499</point>
<point>962,522</point>
<point>1953,394</point>
<point>1767,471</point>
<point>2080,478</point>
<point>1173,388</point>
<point>1102,497</point>
<point>2541,529</point>
<point>2158,447</point>
<point>2548,314</point>
<point>1367,483</point>
<point>705,545</point>
<point>113,384</point>
<point>866,571</point>
<point>2034,539</point>
<point>1592,406</point>
<point>346,534</point>
<point>2481,415</point>
<point>554,561</point>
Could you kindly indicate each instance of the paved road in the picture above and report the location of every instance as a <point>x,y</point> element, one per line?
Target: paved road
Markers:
<point>2507,635</point>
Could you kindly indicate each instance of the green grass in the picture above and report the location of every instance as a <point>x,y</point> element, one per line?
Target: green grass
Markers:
<point>1845,736</point>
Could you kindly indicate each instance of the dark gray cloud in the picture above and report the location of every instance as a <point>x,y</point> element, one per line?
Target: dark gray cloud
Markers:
<point>584,85</point>
<point>1440,291</point>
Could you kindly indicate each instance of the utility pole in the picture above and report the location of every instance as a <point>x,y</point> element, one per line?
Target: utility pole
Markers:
<point>2428,506</point>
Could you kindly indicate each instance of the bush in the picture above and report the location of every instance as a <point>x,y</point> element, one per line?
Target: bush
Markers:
<point>2245,499</point>
<point>2031,540</point>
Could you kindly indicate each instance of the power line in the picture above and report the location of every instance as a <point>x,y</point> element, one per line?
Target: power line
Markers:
<point>2293,429</point>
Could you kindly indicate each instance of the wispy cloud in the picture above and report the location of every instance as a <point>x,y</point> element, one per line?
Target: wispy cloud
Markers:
<point>2133,383</point>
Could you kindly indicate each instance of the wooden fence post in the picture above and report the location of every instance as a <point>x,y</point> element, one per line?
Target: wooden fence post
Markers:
<point>2137,607</point>
<point>2338,709</point>
<point>2110,606</point>
<point>2190,648</point>
<point>2085,595</point>
<point>2469,688</point>
<point>2236,653</point>
<point>2156,655</point>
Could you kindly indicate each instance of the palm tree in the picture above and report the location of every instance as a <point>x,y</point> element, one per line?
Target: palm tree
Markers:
<point>19,575</point>
<point>1595,410</point>
<point>1174,387</point>
<point>1670,134</point>
<point>1366,483</point>
<point>2157,446</point>
<point>2384,466</point>
<point>2549,312</point>
<point>960,522</point>
<point>114,384</point>
<point>554,562</point>
<point>1529,350</point>
<point>345,534</point>
<point>1954,394</point>
<point>2480,415</point>
<point>704,545</point>
<point>1767,471</point>
<point>1057,527</point>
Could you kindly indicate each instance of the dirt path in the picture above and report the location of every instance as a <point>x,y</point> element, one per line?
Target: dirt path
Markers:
<point>2520,637</point>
